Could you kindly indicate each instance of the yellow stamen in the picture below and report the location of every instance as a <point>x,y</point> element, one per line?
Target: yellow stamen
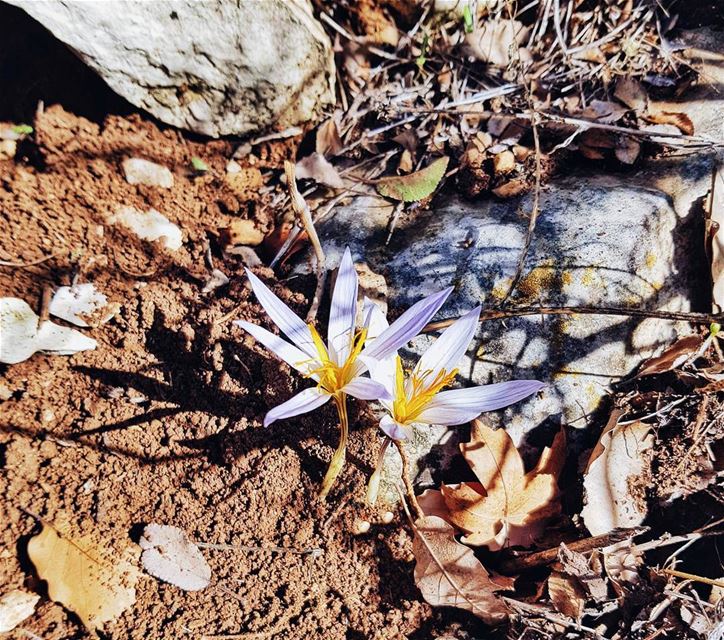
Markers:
<point>406,409</point>
<point>333,377</point>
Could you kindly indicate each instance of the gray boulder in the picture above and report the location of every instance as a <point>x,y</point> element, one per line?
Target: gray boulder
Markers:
<point>215,68</point>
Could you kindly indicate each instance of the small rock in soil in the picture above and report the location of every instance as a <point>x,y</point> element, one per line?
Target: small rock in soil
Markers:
<point>150,226</point>
<point>15,607</point>
<point>140,171</point>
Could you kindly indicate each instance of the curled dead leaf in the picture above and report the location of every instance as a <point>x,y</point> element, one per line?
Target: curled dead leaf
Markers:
<point>672,357</point>
<point>84,576</point>
<point>449,575</point>
<point>618,460</point>
<point>680,120</point>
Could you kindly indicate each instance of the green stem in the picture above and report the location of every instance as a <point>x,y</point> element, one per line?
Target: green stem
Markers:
<point>373,486</point>
<point>337,462</point>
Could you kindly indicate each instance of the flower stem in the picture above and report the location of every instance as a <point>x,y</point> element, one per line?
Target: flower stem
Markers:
<point>337,462</point>
<point>409,489</point>
<point>373,486</point>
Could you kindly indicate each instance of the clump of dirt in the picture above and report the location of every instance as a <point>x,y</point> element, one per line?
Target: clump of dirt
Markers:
<point>163,421</point>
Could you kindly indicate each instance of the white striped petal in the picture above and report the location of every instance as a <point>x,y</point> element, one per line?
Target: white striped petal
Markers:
<point>303,402</point>
<point>366,389</point>
<point>462,405</point>
<point>283,316</point>
<point>374,320</point>
<point>393,429</point>
<point>449,348</point>
<point>280,347</point>
<point>407,326</point>
<point>343,310</point>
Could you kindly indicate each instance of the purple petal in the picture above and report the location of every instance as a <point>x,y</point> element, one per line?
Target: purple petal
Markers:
<point>393,429</point>
<point>279,347</point>
<point>343,310</point>
<point>283,316</point>
<point>446,351</point>
<point>462,405</point>
<point>367,389</point>
<point>303,402</point>
<point>407,326</point>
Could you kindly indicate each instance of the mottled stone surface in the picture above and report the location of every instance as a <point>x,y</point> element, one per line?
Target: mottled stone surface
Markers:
<point>216,68</point>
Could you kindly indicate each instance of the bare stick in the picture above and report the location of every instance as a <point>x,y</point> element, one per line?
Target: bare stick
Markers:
<point>695,578</point>
<point>301,208</point>
<point>536,205</point>
<point>409,489</point>
<point>32,263</point>
<point>514,312</point>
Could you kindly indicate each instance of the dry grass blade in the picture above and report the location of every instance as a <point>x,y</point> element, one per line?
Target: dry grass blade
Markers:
<point>301,208</point>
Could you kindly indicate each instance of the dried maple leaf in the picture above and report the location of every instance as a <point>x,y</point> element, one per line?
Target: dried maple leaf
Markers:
<point>507,506</point>
<point>83,576</point>
<point>449,575</point>
<point>414,186</point>
<point>616,462</point>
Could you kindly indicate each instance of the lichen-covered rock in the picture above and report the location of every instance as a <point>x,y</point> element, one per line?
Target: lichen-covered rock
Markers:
<point>215,68</point>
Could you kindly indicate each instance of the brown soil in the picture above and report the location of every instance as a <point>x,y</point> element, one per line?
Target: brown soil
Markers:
<point>162,423</point>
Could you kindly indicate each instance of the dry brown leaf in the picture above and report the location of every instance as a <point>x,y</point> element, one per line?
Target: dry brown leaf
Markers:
<point>449,575</point>
<point>566,594</point>
<point>627,149</point>
<point>84,576</point>
<point>603,111</point>
<point>171,556</point>
<point>614,498</point>
<point>498,42</point>
<point>316,167</point>
<point>680,120</point>
<point>241,231</point>
<point>631,92</point>
<point>328,141</point>
<point>510,189</point>
<point>507,507</point>
<point>673,357</point>
<point>715,239</point>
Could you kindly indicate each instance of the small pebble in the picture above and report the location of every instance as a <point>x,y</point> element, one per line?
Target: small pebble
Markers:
<point>387,517</point>
<point>139,171</point>
<point>361,526</point>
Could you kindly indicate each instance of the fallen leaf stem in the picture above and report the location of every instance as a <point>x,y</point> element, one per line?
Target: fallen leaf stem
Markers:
<point>695,578</point>
<point>513,312</point>
<point>409,489</point>
<point>337,462</point>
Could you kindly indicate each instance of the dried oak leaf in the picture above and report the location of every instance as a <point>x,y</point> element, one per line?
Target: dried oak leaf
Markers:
<point>449,575</point>
<point>316,167</point>
<point>507,506</point>
<point>414,186</point>
<point>84,576</point>
<point>614,479</point>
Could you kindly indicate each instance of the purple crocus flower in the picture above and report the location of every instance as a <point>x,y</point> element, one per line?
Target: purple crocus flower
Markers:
<point>418,397</point>
<point>337,366</point>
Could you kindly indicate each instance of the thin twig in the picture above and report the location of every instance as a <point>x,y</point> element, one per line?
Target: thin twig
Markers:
<point>695,578</point>
<point>314,551</point>
<point>301,208</point>
<point>32,263</point>
<point>514,312</point>
<point>533,219</point>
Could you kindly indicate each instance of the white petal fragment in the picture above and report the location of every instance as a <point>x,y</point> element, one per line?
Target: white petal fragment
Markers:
<point>81,303</point>
<point>149,226</point>
<point>16,606</point>
<point>407,326</point>
<point>393,429</point>
<point>374,319</point>
<point>304,402</point>
<point>367,389</point>
<point>343,310</point>
<point>446,351</point>
<point>279,347</point>
<point>462,405</point>
<point>20,336</point>
<point>283,316</point>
